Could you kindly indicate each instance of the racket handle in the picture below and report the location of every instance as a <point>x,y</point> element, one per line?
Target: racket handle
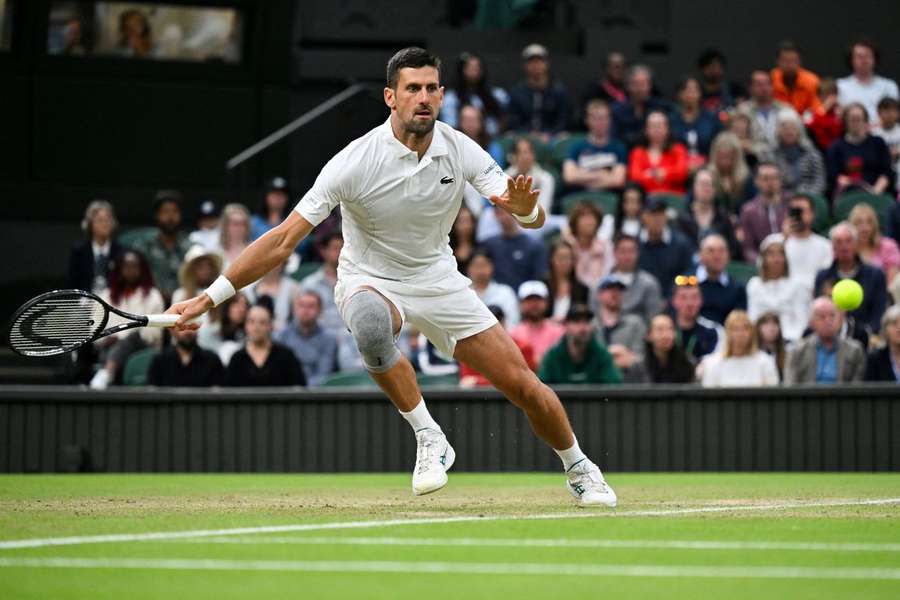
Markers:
<point>165,320</point>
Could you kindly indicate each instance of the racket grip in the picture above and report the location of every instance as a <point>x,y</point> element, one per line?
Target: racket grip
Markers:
<point>165,320</point>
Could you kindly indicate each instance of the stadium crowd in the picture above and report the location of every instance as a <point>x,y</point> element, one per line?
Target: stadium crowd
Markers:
<point>691,238</point>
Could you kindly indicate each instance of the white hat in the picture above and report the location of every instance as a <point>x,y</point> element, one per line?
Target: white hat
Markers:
<point>193,254</point>
<point>534,51</point>
<point>533,288</point>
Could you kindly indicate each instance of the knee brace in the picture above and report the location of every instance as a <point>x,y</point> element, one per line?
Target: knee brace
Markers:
<point>369,319</point>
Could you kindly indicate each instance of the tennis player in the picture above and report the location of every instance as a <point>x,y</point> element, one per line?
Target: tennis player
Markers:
<point>400,187</point>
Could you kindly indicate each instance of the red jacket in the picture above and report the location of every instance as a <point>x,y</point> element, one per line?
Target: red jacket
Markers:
<point>674,166</point>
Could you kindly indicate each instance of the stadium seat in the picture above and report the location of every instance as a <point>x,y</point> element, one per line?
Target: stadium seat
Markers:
<point>741,271</point>
<point>607,201</point>
<point>304,269</point>
<point>451,379</point>
<point>677,202</point>
<point>349,379</point>
<point>880,202</point>
<point>542,151</point>
<point>823,213</point>
<point>137,367</point>
<point>561,146</point>
<point>135,236</point>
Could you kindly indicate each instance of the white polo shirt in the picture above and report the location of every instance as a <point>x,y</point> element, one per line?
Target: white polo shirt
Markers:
<point>398,210</point>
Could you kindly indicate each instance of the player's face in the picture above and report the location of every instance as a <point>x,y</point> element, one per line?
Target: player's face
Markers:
<point>417,98</point>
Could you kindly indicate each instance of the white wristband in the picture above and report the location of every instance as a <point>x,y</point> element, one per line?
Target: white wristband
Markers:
<point>531,217</point>
<point>220,290</point>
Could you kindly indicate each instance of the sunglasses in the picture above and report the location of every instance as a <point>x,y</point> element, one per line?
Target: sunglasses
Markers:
<point>686,280</point>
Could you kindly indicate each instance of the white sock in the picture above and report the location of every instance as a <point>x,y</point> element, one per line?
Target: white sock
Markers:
<point>571,456</point>
<point>420,418</point>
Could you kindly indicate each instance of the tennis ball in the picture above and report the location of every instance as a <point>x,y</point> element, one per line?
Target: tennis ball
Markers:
<point>847,294</point>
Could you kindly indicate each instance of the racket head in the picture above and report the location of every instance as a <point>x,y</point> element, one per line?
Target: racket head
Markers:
<point>57,322</point>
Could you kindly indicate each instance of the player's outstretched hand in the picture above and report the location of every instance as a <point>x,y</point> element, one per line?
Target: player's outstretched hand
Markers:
<point>519,198</point>
<point>190,310</point>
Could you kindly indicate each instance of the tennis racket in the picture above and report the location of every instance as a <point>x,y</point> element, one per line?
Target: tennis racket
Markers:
<point>64,320</point>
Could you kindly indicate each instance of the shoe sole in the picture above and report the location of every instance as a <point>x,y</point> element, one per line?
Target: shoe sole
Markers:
<point>451,458</point>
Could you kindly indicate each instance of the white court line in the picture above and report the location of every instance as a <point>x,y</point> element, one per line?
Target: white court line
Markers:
<point>200,533</point>
<point>567,543</point>
<point>407,567</point>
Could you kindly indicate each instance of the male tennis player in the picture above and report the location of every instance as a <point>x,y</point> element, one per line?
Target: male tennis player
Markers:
<point>400,187</point>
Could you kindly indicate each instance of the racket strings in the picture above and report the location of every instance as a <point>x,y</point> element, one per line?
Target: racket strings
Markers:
<point>54,324</point>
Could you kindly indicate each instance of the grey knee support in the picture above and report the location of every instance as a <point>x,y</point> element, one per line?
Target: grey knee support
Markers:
<point>369,319</point>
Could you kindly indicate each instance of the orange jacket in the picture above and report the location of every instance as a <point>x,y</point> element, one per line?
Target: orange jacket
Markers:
<point>803,96</point>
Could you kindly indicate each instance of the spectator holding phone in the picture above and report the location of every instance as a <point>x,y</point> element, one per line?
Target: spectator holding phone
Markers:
<point>807,252</point>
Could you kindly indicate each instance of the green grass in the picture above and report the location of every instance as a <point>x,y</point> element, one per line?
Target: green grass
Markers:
<point>576,554</point>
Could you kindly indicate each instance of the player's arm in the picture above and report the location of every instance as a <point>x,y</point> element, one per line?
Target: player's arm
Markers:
<point>521,201</point>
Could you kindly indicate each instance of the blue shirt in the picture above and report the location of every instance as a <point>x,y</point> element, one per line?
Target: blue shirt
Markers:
<point>517,259</point>
<point>613,153</point>
<point>826,364</point>
<point>316,352</point>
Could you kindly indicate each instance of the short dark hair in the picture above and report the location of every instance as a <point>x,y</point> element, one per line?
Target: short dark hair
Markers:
<point>410,58</point>
<point>787,46</point>
<point>165,197</point>
<point>888,102</point>
<point>767,163</point>
<point>710,55</point>
<point>620,238</point>
<point>865,43</point>
<point>804,198</point>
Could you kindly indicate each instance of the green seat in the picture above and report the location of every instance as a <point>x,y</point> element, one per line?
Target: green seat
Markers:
<point>133,237</point>
<point>741,271</point>
<point>561,146</point>
<point>305,269</point>
<point>823,213</point>
<point>451,379</point>
<point>543,153</point>
<point>676,202</point>
<point>880,202</point>
<point>138,366</point>
<point>349,379</point>
<point>607,201</point>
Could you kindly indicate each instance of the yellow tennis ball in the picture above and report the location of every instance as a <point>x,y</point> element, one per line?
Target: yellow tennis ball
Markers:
<point>847,294</point>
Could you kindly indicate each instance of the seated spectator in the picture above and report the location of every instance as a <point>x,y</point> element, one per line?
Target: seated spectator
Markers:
<point>889,130</point>
<point>611,87</point>
<point>621,333</point>
<point>262,362</point>
<point>627,220</point>
<point>791,83</point>
<point>469,377</point>
<point>322,282</point>
<point>471,87</point>
<point>771,341</point>
<point>824,356</point>
<point>775,291</point>
<point>90,260</point>
<point>462,238</point>
<point>314,347</point>
<point>578,357</point>
<point>825,124</point>
<point>807,252</point>
<point>664,361</point>
<point>481,272</point>
<point>597,163</point>
<point>693,125</point>
<point>742,364</point>
<point>199,269</point>
<point>764,215</point>
<point>234,235</point>
<point>471,123</point>
<point>165,251</point>
<point>565,289</point>
<point>697,335</point>
<point>763,110</point>
<point>721,294</point>
<point>281,288</point>
<point>657,163</point>
<point>858,160</point>
<point>207,232</point>
<point>185,364</point>
<point>874,249</point>
<point>800,164</point>
<point>705,217</point>
<point>863,86</point>
<point>522,162</point>
<point>274,208</point>
<point>535,329</point>
<point>847,264</point>
<point>517,257</point>
<point>630,117</point>
<point>538,105</point>
<point>642,296</point>
<point>224,333</point>
<point>719,94</point>
<point>884,364</point>
<point>740,124</point>
<point>593,254</point>
<point>664,251</point>
<point>130,289</point>
<point>731,175</point>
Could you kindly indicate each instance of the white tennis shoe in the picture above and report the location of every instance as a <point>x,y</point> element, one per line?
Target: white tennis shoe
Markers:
<point>586,483</point>
<point>434,457</point>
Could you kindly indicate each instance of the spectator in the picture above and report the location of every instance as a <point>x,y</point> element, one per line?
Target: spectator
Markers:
<point>578,357</point>
<point>630,116</point>
<point>314,347</point>
<point>763,109</point>
<point>731,176</point>
<point>721,294</point>
<point>199,269</point>
<point>825,124</point>
<point>791,83</point>
<point>135,35</point>
<point>166,250</point>
<point>847,265</point>
<point>611,87</point>
<point>262,362</point>
<point>522,162</point>
<point>472,88</point>
<point>517,257</point>
<point>889,130</point>
<point>697,335</point>
<point>281,289</point>
<point>771,341</point>
<point>565,289</point>
<point>471,123</point>
<point>801,166</point>
<point>807,252</point>
<point>234,235</point>
<point>719,93</point>
<point>884,364</point>
<point>875,249</point>
<point>207,232</point>
<point>693,125</point>
<point>462,238</point>
<point>825,357</point>
<point>764,215</point>
<point>538,105</point>
<point>621,333</point>
<point>664,251</point>
<point>185,364</point>
<point>224,333</point>
<point>859,160</point>
<point>664,361</point>
<point>597,163</point>
<point>481,272</point>
<point>642,296</point>
<point>704,217</point>
<point>658,164</point>
<point>740,125</point>
<point>130,289</point>
<point>536,330</point>
<point>322,282</point>
<point>775,291</point>
<point>627,220</point>
<point>863,86</point>
<point>593,254</point>
<point>90,260</point>
<point>469,377</point>
<point>742,364</point>
<point>274,208</point>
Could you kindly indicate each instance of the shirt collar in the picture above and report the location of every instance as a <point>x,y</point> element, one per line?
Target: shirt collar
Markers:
<point>438,146</point>
<point>666,236</point>
<point>703,275</point>
<point>98,249</point>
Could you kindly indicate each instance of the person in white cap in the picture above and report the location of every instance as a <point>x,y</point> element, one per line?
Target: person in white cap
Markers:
<point>536,329</point>
<point>400,187</point>
<point>538,104</point>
